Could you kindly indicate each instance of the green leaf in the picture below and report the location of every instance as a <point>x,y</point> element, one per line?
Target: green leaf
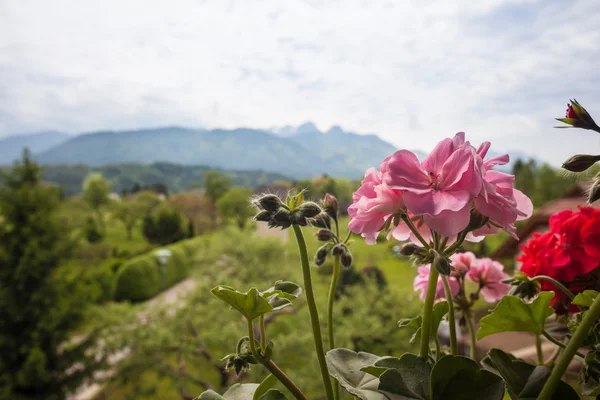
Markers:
<point>345,366</point>
<point>250,304</point>
<point>382,365</point>
<point>439,310</point>
<point>273,394</point>
<point>512,314</point>
<point>235,392</point>
<point>525,381</point>
<point>264,386</point>
<point>459,378</point>
<point>408,378</point>
<point>585,298</point>
<point>281,294</point>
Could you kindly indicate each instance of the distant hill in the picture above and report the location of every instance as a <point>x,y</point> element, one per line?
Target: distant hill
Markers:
<point>124,176</point>
<point>11,147</point>
<point>305,153</point>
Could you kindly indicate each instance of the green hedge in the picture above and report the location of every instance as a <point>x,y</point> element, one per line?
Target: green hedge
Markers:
<point>144,277</point>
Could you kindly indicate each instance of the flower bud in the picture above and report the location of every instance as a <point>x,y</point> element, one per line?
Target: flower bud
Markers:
<point>324,235</point>
<point>297,218</point>
<point>263,216</point>
<point>321,221</point>
<point>269,202</point>
<point>440,263</point>
<point>338,249</point>
<point>408,249</point>
<point>578,117</point>
<point>322,251</point>
<point>281,219</point>
<point>309,209</point>
<point>476,221</point>
<point>346,259</point>
<point>580,162</point>
<point>330,205</point>
<point>594,191</point>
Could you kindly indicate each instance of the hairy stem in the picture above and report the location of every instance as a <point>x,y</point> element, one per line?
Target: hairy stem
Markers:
<point>555,283</point>
<point>451,320</point>
<point>559,343</point>
<point>314,314</point>
<point>473,350</point>
<point>415,231</point>
<point>538,349</point>
<point>283,378</point>
<point>589,320</point>
<point>427,311</point>
<point>263,333</point>
<point>330,298</point>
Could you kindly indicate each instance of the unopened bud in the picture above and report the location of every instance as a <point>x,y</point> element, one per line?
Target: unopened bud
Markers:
<point>264,216</point>
<point>440,263</point>
<point>408,249</point>
<point>297,218</point>
<point>322,251</point>
<point>338,249</point>
<point>309,209</point>
<point>346,259</point>
<point>321,221</point>
<point>580,162</point>
<point>578,117</point>
<point>269,202</point>
<point>595,191</point>
<point>281,219</point>
<point>324,235</point>
<point>476,221</point>
<point>330,205</point>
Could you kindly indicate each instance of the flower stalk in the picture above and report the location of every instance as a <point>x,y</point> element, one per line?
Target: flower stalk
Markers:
<point>589,320</point>
<point>314,314</point>
<point>427,312</point>
<point>451,318</point>
<point>330,299</point>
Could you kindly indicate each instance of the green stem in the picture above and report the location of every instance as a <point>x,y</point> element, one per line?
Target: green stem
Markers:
<point>438,348</point>
<point>314,314</point>
<point>263,333</point>
<point>559,343</point>
<point>330,298</point>
<point>427,311</point>
<point>283,378</point>
<point>454,246</point>
<point>415,231</point>
<point>251,339</point>
<point>473,350</point>
<point>555,283</point>
<point>451,320</point>
<point>589,320</point>
<point>273,368</point>
<point>538,349</point>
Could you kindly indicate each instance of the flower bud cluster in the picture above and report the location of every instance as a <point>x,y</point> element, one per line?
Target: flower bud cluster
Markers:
<point>277,214</point>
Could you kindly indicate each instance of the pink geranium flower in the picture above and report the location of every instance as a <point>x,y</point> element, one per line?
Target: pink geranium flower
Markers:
<point>422,279</point>
<point>374,201</point>
<point>442,186</point>
<point>489,275</point>
<point>463,262</point>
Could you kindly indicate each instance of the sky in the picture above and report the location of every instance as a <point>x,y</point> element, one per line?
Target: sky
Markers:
<point>412,72</point>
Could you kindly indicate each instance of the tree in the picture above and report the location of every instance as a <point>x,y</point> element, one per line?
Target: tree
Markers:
<point>38,307</point>
<point>164,227</point>
<point>147,202</point>
<point>196,207</point>
<point>128,212</point>
<point>215,186</point>
<point>96,191</point>
<point>234,204</point>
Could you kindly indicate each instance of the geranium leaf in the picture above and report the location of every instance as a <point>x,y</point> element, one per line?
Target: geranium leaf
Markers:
<point>525,381</point>
<point>250,304</point>
<point>512,314</point>
<point>439,310</point>
<point>345,366</point>
<point>408,378</point>
<point>585,298</point>
<point>264,386</point>
<point>281,294</point>
<point>458,378</point>
<point>273,394</point>
<point>237,391</point>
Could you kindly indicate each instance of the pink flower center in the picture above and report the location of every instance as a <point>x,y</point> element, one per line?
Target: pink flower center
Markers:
<point>435,180</point>
<point>570,112</point>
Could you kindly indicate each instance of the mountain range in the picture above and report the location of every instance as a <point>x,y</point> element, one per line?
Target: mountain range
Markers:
<point>295,152</point>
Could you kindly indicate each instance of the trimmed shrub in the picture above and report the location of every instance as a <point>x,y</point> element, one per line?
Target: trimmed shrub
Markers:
<point>144,276</point>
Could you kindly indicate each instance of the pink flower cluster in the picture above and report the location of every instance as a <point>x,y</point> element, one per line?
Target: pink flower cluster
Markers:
<point>486,273</point>
<point>439,193</point>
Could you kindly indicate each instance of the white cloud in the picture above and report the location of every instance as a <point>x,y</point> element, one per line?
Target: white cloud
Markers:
<point>413,72</point>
